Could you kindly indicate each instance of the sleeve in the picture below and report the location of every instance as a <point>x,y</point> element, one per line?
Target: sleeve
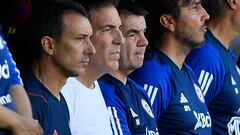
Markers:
<point>209,70</point>
<point>118,120</point>
<point>14,72</point>
<point>117,113</point>
<point>116,109</point>
<point>155,79</point>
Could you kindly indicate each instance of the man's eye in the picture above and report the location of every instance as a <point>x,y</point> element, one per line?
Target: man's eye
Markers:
<point>106,29</point>
<point>131,35</point>
<point>196,5</point>
<point>80,38</point>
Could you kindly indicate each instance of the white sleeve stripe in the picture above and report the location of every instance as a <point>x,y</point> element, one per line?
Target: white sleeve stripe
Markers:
<point>116,127</point>
<point>204,80</point>
<point>118,121</point>
<point>208,84</point>
<point>151,92</point>
<point>201,76</point>
<point>154,95</point>
<point>150,88</point>
<point>113,125</point>
<point>145,87</point>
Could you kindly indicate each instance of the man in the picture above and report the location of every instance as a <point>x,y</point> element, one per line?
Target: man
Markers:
<point>174,92</point>
<point>15,108</point>
<point>88,112</point>
<point>126,101</point>
<point>61,36</point>
<point>215,66</point>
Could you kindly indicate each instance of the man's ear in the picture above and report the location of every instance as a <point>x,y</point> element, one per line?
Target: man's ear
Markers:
<point>168,22</point>
<point>48,44</point>
<point>233,4</point>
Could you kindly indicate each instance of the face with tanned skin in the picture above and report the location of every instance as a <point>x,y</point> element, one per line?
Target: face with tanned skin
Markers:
<point>71,53</point>
<point>107,38</point>
<point>190,27</point>
<point>132,52</point>
<point>236,18</point>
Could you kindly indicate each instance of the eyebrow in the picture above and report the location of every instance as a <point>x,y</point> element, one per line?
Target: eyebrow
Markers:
<point>185,3</point>
<point>132,31</point>
<point>108,25</point>
<point>82,35</point>
<point>135,31</point>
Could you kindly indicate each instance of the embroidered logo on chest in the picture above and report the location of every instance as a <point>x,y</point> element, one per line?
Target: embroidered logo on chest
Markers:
<point>184,101</point>
<point>199,93</point>
<point>147,108</point>
<point>135,116</point>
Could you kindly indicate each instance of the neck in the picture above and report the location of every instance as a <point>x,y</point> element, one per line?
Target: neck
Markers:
<point>91,74</point>
<point>174,50</point>
<point>121,76</point>
<point>49,76</point>
<point>223,29</point>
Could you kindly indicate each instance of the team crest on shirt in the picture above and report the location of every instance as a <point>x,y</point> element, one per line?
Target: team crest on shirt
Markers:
<point>147,108</point>
<point>2,43</point>
<point>199,93</point>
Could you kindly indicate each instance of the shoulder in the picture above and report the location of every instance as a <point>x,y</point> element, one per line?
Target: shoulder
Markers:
<point>107,87</point>
<point>153,71</point>
<point>154,63</point>
<point>31,84</point>
<point>206,60</point>
<point>206,55</point>
<point>35,91</point>
<point>36,94</point>
<point>109,93</point>
<point>39,104</point>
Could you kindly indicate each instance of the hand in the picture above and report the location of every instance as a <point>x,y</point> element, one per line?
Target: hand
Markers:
<point>27,126</point>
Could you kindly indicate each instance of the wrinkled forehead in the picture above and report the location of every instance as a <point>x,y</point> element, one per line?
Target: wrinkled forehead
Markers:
<point>185,3</point>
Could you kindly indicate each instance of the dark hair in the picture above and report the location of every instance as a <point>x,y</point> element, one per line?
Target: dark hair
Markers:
<point>48,21</point>
<point>214,7</point>
<point>131,8</point>
<point>97,4</point>
<point>155,29</point>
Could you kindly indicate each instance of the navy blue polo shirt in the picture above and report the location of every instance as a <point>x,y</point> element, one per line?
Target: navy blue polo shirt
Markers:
<point>175,95</point>
<point>128,106</point>
<point>219,77</point>
<point>52,114</point>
